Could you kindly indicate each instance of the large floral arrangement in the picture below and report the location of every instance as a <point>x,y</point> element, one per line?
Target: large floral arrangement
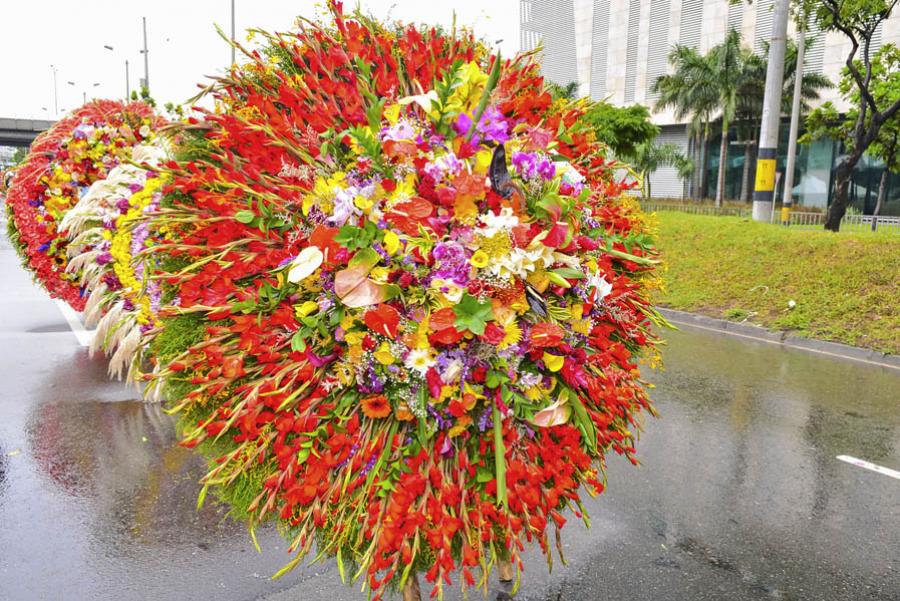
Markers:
<point>63,162</point>
<point>110,244</point>
<point>404,300</point>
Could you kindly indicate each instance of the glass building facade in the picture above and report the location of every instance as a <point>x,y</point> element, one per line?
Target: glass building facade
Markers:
<point>813,174</point>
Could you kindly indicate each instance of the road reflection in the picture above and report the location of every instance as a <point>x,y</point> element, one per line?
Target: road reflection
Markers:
<point>122,462</point>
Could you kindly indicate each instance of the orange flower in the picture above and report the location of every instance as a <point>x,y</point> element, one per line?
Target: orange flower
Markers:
<point>376,406</point>
<point>403,413</point>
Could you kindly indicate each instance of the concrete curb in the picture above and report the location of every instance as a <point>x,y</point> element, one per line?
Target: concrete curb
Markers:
<point>810,345</point>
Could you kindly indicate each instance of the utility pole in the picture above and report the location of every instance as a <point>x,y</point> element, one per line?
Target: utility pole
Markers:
<point>127,82</point>
<point>146,60</point>
<point>55,94</point>
<point>764,188</point>
<point>232,32</point>
<point>788,197</point>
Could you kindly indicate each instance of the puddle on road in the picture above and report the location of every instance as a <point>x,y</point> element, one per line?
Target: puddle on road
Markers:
<point>121,462</point>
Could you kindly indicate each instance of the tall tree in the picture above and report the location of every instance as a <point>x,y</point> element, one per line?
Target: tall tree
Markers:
<point>691,93</point>
<point>623,129</point>
<point>727,60</point>
<point>884,89</point>
<point>648,157</point>
<point>858,21</point>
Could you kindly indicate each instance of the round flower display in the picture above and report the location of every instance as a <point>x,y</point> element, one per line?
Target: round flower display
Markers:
<point>110,242</point>
<point>62,164</point>
<point>404,300</point>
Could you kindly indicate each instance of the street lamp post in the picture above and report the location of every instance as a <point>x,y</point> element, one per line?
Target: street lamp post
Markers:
<point>145,52</point>
<point>83,91</point>
<point>127,75</point>
<point>55,93</point>
<point>232,32</point>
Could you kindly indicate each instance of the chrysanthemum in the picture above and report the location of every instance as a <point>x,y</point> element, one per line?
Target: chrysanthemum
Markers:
<point>419,360</point>
<point>513,333</point>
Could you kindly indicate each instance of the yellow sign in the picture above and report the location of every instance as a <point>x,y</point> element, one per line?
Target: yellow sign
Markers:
<point>765,175</point>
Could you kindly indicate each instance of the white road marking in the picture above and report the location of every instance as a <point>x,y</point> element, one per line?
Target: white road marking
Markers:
<point>878,469</point>
<point>84,337</point>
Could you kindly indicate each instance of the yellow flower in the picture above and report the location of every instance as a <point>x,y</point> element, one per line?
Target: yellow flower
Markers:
<point>582,326</point>
<point>512,334</point>
<point>348,321</point>
<point>479,259</point>
<point>392,113</point>
<point>391,242</point>
<point>362,203</point>
<point>379,275</point>
<point>306,308</point>
<point>384,354</point>
<point>354,338</point>
<point>482,161</point>
<point>553,362</point>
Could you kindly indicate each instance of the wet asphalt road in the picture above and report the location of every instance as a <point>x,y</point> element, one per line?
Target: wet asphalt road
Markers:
<point>739,497</point>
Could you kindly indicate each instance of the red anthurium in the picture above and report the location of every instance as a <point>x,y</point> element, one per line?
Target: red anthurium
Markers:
<point>556,237</point>
<point>406,216</point>
<point>546,335</point>
<point>384,319</point>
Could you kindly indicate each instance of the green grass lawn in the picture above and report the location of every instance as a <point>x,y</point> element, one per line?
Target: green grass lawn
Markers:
<point>846,286</point>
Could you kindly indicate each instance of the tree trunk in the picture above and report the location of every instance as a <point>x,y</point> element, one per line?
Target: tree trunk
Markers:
<point>841,199</point>
<point>695,177</point>
<point>411,590</point>
<point>882,192</point>
<point>647,192</point>
<point>745,176</point>
<point>704,150</point>
<point>505,570</point>
<point>723,156</point>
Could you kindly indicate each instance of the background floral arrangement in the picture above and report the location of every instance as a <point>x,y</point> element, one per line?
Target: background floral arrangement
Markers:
<point>406,300</point>
<point>394,291</point>
<point>63,162</point>
<point>110,243</point>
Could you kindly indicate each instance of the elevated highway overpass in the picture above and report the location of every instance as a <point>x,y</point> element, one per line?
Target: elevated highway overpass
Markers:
<point>21,132</point>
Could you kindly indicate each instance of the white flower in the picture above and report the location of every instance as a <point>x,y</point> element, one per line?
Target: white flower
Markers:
<point>144,131</point>
<point>518,263</point>
<point>599,282</point>
<point>419,360</point>
<point>447,289</point>
<point>569,174</point>
<point>494,224</point>
<point>423,100</point>
<point>451,373</point>
<point>792,303</point>
<point>305,264</point>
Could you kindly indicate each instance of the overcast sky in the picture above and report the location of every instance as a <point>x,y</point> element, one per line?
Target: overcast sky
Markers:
<point>184,46</point>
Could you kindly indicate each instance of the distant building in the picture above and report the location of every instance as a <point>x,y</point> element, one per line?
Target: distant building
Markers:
<point>615,49</point>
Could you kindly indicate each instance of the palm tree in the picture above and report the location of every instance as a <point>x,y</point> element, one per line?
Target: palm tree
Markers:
<point>727,59</point>
<point>728,80</point>
<point>691,92</point>
<point>648,157</point>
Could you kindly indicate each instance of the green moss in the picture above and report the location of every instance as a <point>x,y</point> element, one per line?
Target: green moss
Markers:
<point>843,286</point>
<point>178,334</point>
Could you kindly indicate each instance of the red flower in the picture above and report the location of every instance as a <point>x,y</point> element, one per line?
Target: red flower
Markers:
<point>384,319</point>
<point>546,334</point>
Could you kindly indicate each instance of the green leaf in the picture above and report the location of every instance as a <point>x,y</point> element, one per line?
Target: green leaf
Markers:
<point>298,343</point>
<point>499,456</point>
<point>244,216</point>
<point>569,273</point>
<point>473,315</point>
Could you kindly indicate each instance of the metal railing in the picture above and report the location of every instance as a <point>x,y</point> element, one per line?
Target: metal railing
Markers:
<point>803,220</point>
<point>697,209</point>
<point>850,223</point>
